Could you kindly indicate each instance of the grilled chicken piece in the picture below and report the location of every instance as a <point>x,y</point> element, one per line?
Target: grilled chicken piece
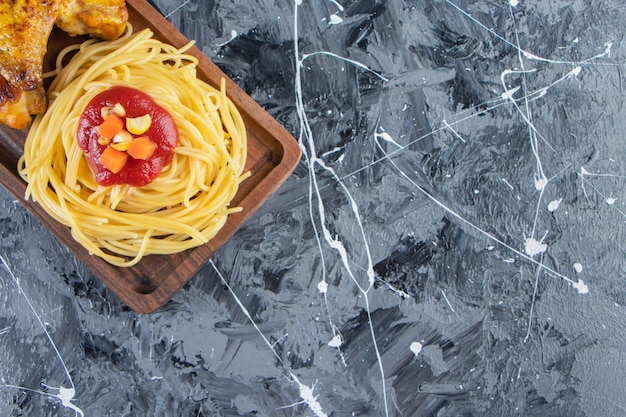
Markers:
<point>104,19</point>
<point>25,26</point>
<point>24,29</point>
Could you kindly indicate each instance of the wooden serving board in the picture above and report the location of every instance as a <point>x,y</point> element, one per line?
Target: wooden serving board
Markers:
<point>272,155</point>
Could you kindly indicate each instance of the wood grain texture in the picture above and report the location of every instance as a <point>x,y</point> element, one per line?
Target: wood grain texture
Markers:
<point>272,155</point>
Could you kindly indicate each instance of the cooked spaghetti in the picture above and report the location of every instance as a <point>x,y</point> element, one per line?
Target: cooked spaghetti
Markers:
<point>189,201</point>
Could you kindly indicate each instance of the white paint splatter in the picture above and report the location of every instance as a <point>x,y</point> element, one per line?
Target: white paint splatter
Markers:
<point>508,94</point>
<point>610,201</point>
<point>541,182</point>
<point>387,138</point>
<point>554,204</point>
<point>416,348</point>
<point>534,247</point>
<point>322,287</point>
<point>578,267</point>
<point>581,287</point>
<point>513,3</point>
<point>335,19</point>
<point>306,393</point>
<point>336,341</point>
<point>66,395</point>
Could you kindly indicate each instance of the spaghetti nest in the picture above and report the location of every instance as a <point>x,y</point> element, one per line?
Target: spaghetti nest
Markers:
<point>188,203</point>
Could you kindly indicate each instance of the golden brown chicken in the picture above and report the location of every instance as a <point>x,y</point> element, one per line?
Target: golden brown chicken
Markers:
<point>25,27</point>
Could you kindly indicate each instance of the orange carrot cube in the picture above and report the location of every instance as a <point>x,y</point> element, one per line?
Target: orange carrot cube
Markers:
<point>141,148</point>
<point>111,126</point>
<point>113,160</point>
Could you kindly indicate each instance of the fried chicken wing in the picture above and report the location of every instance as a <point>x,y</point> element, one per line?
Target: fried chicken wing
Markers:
<point>25,27</point>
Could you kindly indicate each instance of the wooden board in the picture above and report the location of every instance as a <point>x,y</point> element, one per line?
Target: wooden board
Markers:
<point>272,156</point>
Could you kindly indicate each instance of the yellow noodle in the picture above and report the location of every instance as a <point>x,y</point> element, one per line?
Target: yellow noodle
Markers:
<point>189,201</point>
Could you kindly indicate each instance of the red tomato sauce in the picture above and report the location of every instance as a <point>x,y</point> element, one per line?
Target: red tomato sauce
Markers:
<point>163,131</point>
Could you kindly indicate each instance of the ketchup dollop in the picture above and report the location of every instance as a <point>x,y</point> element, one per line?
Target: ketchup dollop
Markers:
<point>163,132</point>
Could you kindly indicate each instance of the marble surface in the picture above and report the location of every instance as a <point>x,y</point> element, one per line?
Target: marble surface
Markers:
<point>452,242</point>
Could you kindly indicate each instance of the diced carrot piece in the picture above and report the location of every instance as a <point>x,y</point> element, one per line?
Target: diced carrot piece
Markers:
<point>141,148</point>
<point>111,126</point>
<point>113,160</point>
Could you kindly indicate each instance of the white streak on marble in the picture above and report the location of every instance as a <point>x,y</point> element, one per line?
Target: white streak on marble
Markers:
<point>525,53</point>
<point>445,297</point>
<point>398,292</point>
<point>532,305</point>
<point>508,184</point>
<point>467,222</point>
<point>233,36</point>
<point>583,173</point>
<point>338,5</point>
<point>541,180</point>
<point>454,132</point>
<point>309,153</point>
<point>341,58</point>
<point>306,392</point>
<point>177,9</point>
<point>66,395</point>
<point>387,138</point>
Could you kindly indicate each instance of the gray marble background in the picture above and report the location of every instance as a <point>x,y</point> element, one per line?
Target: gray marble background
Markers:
<point>452,242</point>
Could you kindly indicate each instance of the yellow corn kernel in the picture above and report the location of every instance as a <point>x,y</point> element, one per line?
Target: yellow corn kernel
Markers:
<point>138,125</point>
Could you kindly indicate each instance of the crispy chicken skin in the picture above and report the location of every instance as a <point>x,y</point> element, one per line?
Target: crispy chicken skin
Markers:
<point>25,26</point>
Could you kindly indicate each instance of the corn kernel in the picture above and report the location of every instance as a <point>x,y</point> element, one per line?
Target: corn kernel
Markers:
<point>138,125</point>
